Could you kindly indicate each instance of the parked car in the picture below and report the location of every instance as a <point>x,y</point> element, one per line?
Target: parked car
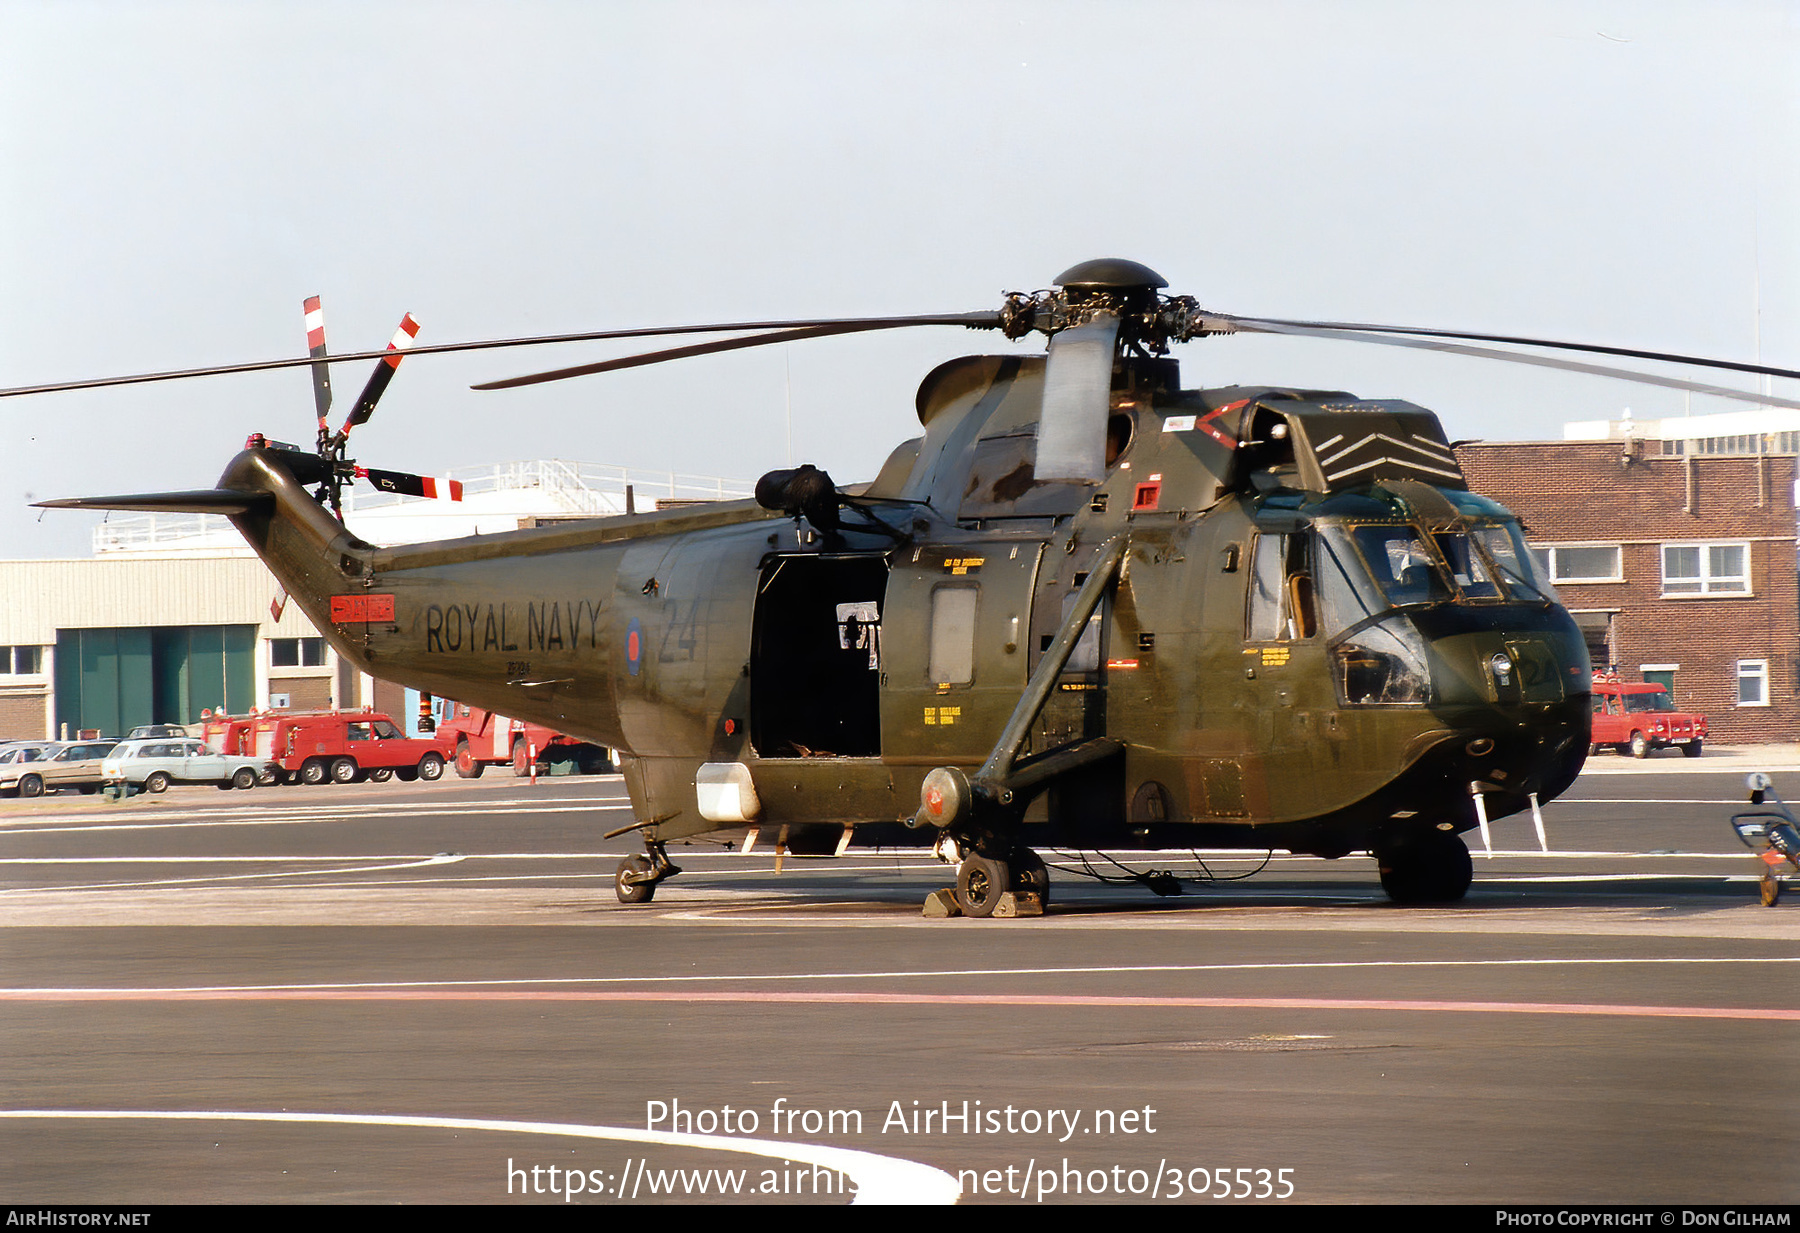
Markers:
<point>156,763</point>
<point>345,747</point>
<point>49,767</point>
<point>18,760</point>
<point>163,730</point>
<point>1636,718</point>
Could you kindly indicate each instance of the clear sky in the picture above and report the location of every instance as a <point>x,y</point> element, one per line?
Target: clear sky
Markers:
<point>175,178</point>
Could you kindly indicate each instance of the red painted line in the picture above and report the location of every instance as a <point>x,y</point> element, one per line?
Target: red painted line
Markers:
<point>1625,1010</point>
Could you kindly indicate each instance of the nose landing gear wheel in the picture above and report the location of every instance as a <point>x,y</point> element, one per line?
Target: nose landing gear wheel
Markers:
<point>1429,868</point>
<point>980,882</point>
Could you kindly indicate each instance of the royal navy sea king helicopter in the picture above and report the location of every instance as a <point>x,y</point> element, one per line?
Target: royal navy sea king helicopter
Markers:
<point>1086,608</point>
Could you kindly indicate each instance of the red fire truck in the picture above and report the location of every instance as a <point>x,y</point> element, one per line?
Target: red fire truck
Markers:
<point>482,739</point>
<point>345,747</point>
<point>1635,718</point>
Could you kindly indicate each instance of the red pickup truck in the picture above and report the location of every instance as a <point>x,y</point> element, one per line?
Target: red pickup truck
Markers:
<point>345,747</point>
<point>1636,718</point>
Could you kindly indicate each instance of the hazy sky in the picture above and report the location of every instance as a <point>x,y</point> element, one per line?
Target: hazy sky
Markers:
<point>176,178</point>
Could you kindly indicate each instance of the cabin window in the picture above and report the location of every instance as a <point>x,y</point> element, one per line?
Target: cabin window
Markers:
<point>953,635</point>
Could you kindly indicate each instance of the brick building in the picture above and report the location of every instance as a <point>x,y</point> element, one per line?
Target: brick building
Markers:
<point>1679,568</point>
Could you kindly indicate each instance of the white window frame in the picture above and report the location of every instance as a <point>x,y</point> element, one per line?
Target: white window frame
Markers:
<point>1753,670</point>
<point>1708,586</point>
<point>1558,578</point>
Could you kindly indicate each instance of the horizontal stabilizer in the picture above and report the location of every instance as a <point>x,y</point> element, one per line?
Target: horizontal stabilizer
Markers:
<point>198,501</point>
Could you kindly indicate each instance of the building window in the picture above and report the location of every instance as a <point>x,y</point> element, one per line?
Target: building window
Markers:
<point>1753,682</point>
<point>296,652</point>
<point>21,660</point>
<point>1581,562</point>
<point>1706,569</point>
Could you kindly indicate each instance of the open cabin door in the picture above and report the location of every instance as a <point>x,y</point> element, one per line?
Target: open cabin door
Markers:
<point>949,684</point>
<point>815,664</point>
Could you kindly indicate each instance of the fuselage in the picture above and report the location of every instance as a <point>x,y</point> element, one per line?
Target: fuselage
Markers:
<point>1289,656</point>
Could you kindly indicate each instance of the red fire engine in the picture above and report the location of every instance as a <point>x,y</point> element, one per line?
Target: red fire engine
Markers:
<point>1636,718</point>
<point>482,739</point>
<point>345,747</point>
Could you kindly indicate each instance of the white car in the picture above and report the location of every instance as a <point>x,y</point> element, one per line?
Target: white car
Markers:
<point>157,762</point>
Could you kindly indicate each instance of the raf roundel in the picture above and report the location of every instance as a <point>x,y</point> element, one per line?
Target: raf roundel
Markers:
<point>634,646</point>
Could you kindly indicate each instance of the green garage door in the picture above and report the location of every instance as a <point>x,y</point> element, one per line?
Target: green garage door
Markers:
<point>114,680</point>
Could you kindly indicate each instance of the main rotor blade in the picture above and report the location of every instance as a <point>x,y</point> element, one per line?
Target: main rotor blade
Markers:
<point>1071,441</point>
<point>1263,326</point>
<point>814,330</point>
<point>1511,340</point>
<point>975,320</point>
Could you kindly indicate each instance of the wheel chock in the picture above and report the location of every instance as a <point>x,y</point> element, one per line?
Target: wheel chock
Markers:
<point>941,903</point>
<point>1019,903</point>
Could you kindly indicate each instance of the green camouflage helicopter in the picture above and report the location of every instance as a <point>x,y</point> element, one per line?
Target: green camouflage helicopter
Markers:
<point>1086,608</point>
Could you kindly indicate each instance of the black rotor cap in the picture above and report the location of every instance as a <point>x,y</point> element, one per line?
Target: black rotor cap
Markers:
<point>1114,274</point>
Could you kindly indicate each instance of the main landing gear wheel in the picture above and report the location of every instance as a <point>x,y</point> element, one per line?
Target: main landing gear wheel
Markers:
<point>626,885</point>
<point>1431,868</point>
<point>979,884</point>
<point>1771,890</point>
<point>1030,875</point>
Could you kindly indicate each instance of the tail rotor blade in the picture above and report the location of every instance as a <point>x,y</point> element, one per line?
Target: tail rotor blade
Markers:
<point>1077,397</point>
<point>384,373</point>
<point>315,346</point>
<point>408,485</point>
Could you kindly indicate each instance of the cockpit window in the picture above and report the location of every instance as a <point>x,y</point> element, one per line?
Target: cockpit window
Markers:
<point>1282,601</point>
<point>1402,565</point>
<point>1518,569</point>
<point>1467,568</point>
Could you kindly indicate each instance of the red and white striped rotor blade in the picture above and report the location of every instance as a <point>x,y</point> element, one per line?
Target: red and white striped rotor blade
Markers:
<point>315,346</point>
<point>384,373</point>
<point>409,485</point>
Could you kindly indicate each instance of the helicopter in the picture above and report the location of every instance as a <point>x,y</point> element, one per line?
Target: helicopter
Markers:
<point>1085,608</point>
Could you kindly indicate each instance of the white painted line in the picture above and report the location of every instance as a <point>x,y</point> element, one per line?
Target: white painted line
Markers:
<point>1111,970</point>
<point>446,858</point>
<point>879,1179</point>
